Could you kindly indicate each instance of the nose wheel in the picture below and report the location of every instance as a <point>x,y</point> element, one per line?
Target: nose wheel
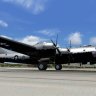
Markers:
<point>58,66</point>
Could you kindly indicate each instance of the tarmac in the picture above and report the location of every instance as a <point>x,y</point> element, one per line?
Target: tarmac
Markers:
<point>32,82</point>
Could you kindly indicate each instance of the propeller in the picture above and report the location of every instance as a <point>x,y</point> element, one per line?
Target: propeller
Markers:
<point>68,49</point>
<point>56,39</point>
<point>55,44</point>
<point>70,54</point>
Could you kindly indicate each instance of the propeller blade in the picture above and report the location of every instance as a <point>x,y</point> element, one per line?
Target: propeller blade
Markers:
<point>58,51</point>
<point>56,39</point>
<point>56,47</point>
<point>53,43</point>
<point>68,49</point>
<point>70,44</point>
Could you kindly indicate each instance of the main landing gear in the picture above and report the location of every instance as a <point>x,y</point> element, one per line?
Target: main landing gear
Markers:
<point>58,66</point>
<point>42,66</point>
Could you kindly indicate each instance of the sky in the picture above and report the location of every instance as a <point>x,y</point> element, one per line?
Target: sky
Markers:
<point>32,21</point>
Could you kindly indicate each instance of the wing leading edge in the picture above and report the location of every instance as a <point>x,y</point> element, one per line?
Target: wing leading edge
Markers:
<point>17,46</point>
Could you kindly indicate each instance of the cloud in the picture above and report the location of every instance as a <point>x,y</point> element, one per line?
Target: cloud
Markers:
<point>6,36</point>
<point>31,40</point>
<point>93,40</point>
<point>36,6</point>
<point>75,38</point>
<point>3,23</point>
<point>49,32</point>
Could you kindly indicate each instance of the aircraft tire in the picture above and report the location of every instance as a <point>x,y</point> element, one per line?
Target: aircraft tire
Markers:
<point>58,66</point>
<point>42,66</point>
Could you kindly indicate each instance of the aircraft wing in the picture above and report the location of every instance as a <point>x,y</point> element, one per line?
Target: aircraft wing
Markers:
<point>17,46</point>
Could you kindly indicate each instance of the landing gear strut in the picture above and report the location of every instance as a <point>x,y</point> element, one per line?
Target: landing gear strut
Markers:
<point>58,66</point>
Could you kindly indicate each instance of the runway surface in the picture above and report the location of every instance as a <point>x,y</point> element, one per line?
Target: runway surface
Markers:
<point>31,82</point>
